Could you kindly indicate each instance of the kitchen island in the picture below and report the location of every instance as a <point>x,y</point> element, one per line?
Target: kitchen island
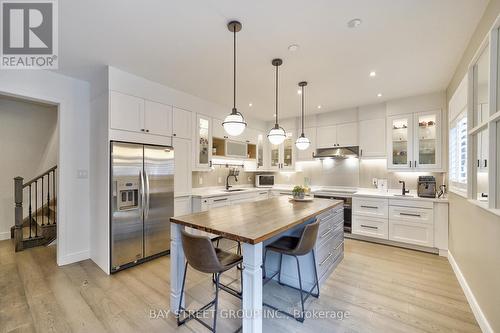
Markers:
<point>253,224</point>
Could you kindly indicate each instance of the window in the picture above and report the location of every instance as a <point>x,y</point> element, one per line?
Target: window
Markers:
<point>458,153</point>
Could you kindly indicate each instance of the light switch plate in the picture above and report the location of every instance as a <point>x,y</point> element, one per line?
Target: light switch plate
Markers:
<point>219,179</point>
<point>200,180</point>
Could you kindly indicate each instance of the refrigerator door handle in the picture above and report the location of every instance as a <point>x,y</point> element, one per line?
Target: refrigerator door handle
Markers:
<point>146,210</point>
<point>143,196</point>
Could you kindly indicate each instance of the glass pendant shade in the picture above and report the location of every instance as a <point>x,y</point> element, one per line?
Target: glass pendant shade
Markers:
<point>234,124</point>
<point>276,135</point>
<point>302,142</point>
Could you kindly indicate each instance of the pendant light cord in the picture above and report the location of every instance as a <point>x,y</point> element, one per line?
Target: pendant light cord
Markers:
<point>302,111</point>
<point>234,68</point>
<point>276,123</point>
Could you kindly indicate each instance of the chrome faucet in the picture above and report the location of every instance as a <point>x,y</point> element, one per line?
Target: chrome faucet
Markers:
<point>404,190</point>
<point>232,173</point>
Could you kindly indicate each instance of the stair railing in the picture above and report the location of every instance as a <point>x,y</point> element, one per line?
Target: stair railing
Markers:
<point>41,194</point>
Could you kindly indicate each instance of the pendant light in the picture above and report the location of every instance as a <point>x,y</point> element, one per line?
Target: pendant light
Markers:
<point>234,124</point>
<point>277,134</point>
<point>302,142</point>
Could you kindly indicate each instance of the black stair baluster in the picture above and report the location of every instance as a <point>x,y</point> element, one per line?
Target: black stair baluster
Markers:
<point>48,199</point>
<point>43,215</point>
<point>54,192</point>
<point>36,208</point>
<point>29,210</point>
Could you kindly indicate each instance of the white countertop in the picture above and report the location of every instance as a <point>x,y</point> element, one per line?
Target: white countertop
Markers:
<point>393,194</point>
<point>210,192</point>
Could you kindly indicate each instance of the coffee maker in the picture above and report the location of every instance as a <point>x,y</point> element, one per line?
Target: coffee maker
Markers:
<point>426,187</point>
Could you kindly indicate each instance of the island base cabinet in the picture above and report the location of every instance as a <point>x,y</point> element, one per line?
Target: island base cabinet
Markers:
<point>370,226</point>
<point>412,233</point>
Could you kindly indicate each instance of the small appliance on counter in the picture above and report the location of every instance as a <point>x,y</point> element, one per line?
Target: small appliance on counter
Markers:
<point>426,187</point>
<point>265,180</point>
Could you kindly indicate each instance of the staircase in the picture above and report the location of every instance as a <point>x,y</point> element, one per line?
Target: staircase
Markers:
<point>35,211</point>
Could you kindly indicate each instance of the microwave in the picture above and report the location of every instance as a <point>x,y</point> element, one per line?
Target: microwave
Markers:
<point>264,180</point>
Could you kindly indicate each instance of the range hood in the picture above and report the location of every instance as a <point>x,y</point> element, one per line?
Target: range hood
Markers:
<point>337,152</point>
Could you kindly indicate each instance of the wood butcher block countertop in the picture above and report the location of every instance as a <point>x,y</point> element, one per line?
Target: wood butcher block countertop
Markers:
<point>255,222</point>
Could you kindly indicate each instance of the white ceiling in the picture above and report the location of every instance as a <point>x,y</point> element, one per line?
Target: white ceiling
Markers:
<point>414,46</point>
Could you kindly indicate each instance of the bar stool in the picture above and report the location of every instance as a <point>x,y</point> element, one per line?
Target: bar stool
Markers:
<point>295,247</point>
<point>204,257</point>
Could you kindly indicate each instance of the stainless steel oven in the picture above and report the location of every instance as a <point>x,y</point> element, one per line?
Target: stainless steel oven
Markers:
<point>347,199</point>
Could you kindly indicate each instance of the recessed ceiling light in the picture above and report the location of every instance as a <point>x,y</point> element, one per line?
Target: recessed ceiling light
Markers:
<point>250,104</point>
<point>293,47</point>
<point>319,106</point>
<point>373,74</point>
<point>354,23</point>
<point>379,95</point>
<point>299,92</point>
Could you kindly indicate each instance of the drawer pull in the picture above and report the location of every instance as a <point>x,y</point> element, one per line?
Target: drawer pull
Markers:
<point>326,233</point>
<point>408,214</point>
<point>223,199</point>
<point>326,259</point>
<point>371,207</point>
<point>369,227</point>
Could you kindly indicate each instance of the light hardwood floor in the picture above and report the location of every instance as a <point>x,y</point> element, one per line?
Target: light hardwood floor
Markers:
<point>384,289</point>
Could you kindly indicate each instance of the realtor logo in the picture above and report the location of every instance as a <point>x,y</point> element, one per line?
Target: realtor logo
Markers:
<point>29,34</point>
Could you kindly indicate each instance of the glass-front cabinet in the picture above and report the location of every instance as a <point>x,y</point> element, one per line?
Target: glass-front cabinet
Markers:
<point>283,155</point>
<point>203,142</point>
<point>415,141</point>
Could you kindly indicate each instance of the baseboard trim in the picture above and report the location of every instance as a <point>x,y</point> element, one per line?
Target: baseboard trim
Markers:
<point>4,235</point>
<point>476,309</point>
<point>73,257</point>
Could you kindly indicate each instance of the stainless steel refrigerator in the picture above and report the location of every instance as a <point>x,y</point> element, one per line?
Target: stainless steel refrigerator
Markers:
<point>142,202</point>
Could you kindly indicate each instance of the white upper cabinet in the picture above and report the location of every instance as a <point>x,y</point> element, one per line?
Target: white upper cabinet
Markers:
<point>218,130</point>
<point>203,142</point>
<point>400,142</point>
<point>326,136</point>
<point>126,112</point>
<point>134,114</point>
<point>282,157</point>
<point>183,176</point>
<point>372,138</point>
<point>307,154</point>
<point>182,123</point>
<point>341,135</point>
<point>414,141</point>
<point>347,134</point>
<point>158,118</point>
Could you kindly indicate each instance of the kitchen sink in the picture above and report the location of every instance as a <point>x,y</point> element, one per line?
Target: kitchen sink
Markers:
<point>401,195</point>
<point>235,190</point>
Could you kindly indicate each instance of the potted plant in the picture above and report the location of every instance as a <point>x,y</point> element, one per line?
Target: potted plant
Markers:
<point>298,192</point>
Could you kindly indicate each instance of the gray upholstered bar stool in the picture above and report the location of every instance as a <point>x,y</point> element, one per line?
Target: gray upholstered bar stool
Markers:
<point>204,257</point>
<point>295,247</point>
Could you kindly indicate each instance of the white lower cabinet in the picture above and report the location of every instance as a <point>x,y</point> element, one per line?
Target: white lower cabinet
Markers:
<point>370,226</point>
<point>411,225</point>
<point>399,220</point>
<point>182,205</point>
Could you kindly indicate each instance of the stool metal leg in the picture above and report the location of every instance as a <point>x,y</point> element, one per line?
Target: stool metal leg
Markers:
<point>264,264</point>
<point>301,318</point>
<point>182,294</point>
<point>216,300</point>
<point>279,274</point>
<point>316,275</point>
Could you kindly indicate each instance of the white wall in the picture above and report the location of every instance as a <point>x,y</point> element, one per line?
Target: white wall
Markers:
<point>28,142</point>
<point>72,98</point>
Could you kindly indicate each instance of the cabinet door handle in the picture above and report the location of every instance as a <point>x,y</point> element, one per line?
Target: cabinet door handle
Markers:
<point>147,131</point>
<point>415,164</point>
<point>369,227</point>
<point>371,207</point>
<point>326,259</point>
<point>326,233</point>
<point>408,214</point>
<point>478,163</point>
<point>142,129</point>
<point>410,164</point>
<point>485,163</point>
<point>218,200</point>
<point>210,164</point>
<point>174,134</point>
